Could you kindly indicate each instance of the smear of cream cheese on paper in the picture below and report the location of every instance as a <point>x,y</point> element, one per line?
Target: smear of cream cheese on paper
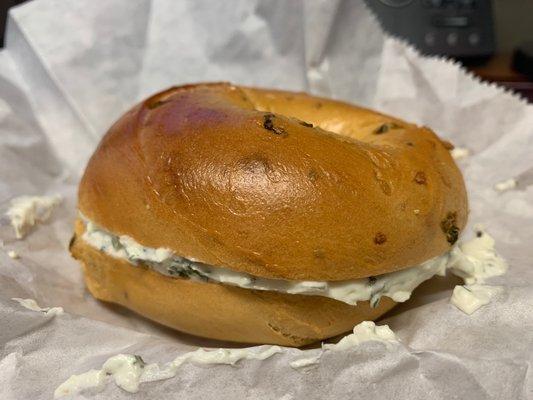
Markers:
<point>31,304</point>
<point>25,211</point>
<point>128,371</point>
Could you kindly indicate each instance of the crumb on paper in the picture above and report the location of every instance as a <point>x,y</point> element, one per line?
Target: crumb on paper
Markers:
<point>13,254</point>
<point>459,153</point>
<point>505,185</point>
<point>25,211</point>
<point>31,304</point>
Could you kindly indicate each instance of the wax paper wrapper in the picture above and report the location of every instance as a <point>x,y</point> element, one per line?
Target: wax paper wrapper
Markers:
<point>70,68</point>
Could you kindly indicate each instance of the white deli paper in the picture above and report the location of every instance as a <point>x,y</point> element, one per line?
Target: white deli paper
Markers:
<point>71,67</point>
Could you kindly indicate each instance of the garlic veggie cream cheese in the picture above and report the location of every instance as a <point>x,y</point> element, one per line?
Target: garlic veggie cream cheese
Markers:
<point>472,261</point>
<point>128,370</point>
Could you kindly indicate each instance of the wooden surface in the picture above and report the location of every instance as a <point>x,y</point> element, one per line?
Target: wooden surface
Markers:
<point>498,69</point>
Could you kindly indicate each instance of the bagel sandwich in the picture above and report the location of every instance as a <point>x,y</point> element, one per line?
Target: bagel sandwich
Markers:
<point>264,216</point>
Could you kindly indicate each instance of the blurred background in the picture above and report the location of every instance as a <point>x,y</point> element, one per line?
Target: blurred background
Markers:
<point>492,38</point>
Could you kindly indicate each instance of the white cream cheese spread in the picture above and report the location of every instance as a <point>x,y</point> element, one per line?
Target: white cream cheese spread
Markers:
<point>470,298</point>
<point>31,304</point>
<point>25,211</point>
<point>128,371</point>
<point>307,362</point>
<point>396,285</point>
<point>477,262</point>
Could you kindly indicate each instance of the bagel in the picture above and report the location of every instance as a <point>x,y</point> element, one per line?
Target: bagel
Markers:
<point>264,216</point>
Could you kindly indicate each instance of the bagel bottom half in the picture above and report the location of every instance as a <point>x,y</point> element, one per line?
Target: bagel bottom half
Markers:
<point>218,311</point>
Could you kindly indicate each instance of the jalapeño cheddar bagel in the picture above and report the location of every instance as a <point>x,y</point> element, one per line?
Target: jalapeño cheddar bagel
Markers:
<point>264,216</point>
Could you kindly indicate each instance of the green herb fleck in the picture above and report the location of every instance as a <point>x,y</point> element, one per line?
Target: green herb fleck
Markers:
<point>374,301</point>
<point>116,243</point>
<point>139,360</point>
<point>184,270</point>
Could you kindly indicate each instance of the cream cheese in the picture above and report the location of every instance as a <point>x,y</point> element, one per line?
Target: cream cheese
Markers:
<point>473,260</point>
<point>470,298</point>
<point>25,211</point>
<point>128,371</point>
<point>125,370</point>
<point>396,285</point>
<point>476,260</point>
<point>366,331</point>
<point>31,304</point>
<point>306,363</point>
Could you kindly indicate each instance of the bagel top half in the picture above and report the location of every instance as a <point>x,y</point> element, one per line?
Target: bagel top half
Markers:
<point>275,184</point>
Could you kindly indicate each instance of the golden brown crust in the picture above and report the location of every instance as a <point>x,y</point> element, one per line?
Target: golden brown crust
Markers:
<point>218,311</point>
<point>230,176</point>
